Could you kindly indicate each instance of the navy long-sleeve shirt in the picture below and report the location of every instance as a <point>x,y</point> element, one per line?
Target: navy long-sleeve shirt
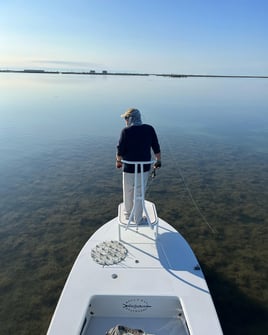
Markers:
<point>135,144</point>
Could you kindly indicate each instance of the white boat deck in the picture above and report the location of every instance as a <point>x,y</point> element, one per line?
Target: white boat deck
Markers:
<point>158,287</point>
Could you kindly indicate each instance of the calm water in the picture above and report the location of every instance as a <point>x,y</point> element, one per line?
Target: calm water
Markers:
<point>41,112</point>
<point>58,135</point>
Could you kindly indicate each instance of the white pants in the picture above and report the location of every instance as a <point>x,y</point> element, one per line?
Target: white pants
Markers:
<point>128,194</point>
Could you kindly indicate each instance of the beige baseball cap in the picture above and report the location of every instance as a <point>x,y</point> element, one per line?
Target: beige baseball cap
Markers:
<point>129,112</point>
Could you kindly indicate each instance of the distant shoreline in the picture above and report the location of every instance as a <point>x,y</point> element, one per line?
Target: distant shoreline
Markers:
<point>106,73</point>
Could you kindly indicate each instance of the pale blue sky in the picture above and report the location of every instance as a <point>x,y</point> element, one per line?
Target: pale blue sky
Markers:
<point>153,36</point>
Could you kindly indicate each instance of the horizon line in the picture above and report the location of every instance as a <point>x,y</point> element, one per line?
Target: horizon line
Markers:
<point>105,72</point>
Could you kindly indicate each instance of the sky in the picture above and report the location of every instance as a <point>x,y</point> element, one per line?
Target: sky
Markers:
<point>225,37</point>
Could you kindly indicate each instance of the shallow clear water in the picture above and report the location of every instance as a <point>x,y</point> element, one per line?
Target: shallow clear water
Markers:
<point>58,182</point>
<point>40,112</point>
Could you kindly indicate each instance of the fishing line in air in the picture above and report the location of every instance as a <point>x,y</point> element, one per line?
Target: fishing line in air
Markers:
<point>150,181</point>
<point>175,162</point>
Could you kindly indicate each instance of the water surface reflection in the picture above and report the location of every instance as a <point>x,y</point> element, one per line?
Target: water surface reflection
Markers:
<point>59,184</point>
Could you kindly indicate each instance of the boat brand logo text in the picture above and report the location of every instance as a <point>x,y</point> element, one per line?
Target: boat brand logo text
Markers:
<point>136,305</point>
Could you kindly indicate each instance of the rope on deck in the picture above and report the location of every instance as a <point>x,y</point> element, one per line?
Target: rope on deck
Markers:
<point>109,253</point>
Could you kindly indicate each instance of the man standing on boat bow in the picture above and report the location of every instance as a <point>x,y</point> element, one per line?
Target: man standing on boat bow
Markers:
<point>135,144</point>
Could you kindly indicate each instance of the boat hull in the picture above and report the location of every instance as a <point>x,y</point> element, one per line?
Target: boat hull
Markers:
<point>158,286</point>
